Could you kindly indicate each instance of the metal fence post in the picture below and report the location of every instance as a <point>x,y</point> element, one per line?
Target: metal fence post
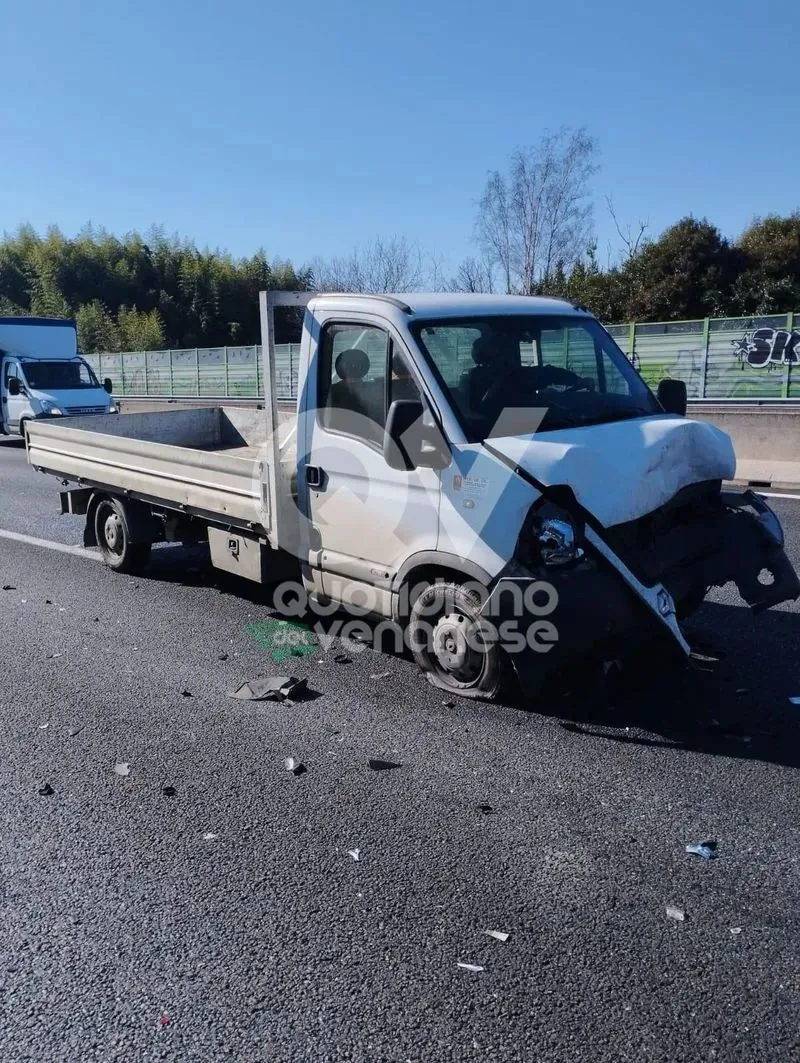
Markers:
<point>226,371</point>
<point>171,376</point>
<point>632,342</point>
<point>122,372</point>
<point>787,378</point>
<point>197,369</point>
<point>706,337</point>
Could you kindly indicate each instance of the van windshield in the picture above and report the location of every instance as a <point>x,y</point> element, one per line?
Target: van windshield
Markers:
<point>515,375</point>
<point>59,376</point>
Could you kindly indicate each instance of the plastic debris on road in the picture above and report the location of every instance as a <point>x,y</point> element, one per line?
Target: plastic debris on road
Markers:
<point>498,935</point>
<point>677,914</point>
<point>168,791</point>
<point>470,966</point>
<point>380,675</point>
<point>270,688</point>
<point>487,810</point>
<point>52,656</point>
<point>382,765</point>
<point>735,929</point>
<point>46,790</point>
<point>43,726</point>
<point>355,853</point>
<point>222,657</point>
<point>186,693</point>
<point>164,1020</point>
<point>122,769</point>
<point>706,850</point>
<point>449,704</point>
<point>293,765</point>
<point>342,658</point>
<point>209,836</point>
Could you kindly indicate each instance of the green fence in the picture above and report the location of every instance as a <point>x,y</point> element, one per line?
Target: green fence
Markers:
<point>718,358</point>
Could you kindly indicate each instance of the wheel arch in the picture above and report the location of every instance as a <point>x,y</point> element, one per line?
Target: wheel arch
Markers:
<point>428,565</point>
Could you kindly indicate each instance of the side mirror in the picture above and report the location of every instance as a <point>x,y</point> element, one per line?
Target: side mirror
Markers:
<point>410,443</point>
<point>672,396</point>
<point>13,386</point>
<point>108,384</point>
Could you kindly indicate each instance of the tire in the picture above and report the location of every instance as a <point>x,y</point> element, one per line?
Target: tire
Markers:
<point>113,535</point>
<point>445,635</point>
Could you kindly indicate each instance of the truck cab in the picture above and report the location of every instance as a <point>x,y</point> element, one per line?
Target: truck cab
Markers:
<point>42,374</point>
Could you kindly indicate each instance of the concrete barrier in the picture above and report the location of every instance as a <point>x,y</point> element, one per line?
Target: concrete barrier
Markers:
<point>766,438</point>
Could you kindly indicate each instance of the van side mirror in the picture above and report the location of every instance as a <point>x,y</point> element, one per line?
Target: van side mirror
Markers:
<point>108,384</point>
<point>672,396</point>
<point>13,386</point>
<point>410,443</point>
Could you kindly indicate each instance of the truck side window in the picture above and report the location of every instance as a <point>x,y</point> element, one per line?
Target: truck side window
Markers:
<point>352,380</point>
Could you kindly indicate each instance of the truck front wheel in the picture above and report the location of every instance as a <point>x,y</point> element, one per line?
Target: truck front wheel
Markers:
<point>112,531</point>
<point>451,642</point>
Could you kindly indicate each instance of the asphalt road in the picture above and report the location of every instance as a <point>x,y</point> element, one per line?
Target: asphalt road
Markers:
<point>129,934</point>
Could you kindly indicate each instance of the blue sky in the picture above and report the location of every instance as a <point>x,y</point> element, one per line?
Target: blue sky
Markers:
<point>309,128</point>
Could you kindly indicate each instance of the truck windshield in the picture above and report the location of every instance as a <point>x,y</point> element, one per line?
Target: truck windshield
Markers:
<point>514,375</point>
<point>58,376</point>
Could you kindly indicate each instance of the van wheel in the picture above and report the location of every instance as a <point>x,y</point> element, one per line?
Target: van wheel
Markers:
<point>447,635</point>
<point>114,539</point>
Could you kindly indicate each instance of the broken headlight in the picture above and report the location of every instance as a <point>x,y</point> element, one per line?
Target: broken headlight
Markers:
<point>552,536</point>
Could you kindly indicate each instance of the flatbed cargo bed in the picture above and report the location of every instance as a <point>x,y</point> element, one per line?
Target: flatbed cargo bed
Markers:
<point>209,461</point>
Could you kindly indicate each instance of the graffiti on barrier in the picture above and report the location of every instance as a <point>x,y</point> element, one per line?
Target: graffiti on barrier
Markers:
<point>768,347</point>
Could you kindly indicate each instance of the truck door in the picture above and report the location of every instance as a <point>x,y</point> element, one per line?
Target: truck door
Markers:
<point>366,517</point>
<point>13,405</point>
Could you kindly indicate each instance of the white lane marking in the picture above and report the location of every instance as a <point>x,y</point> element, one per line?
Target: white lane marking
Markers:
<point>62,548</point>
<point>772,494</point>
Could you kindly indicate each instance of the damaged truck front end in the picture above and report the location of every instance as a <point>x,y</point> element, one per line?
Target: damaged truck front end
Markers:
<point>613,588</point>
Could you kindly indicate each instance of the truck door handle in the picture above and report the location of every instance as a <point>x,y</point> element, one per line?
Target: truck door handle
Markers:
<point>314,476</point>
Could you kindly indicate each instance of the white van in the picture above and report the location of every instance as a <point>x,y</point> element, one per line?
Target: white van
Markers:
<point>42,374</point>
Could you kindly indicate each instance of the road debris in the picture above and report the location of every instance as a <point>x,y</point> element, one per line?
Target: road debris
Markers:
<point>382,765</point>
<point>46,790</point>
<point>342,658</point>
<point>185,693</point>
<point>52,656</point>
<point>164,1020</point>
<point>122,769</point>
<point>486,809</point>
<point>355,853</point>
<point>168,791</point>
<point>209,836</point>
<point>293,765</point>
<point>706,850</point>
<point>449,704</point>
<point>47,601</point>
<point>75,731</point>
<point>470,966</point>
<point>735,929</point>
<point>498,935</point>
<point>380,675</point>
<point>222,657</point>
<point>270,688</point>
<point>677,914</point>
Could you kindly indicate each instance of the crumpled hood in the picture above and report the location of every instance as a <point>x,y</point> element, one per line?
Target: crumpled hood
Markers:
<point>623,470</point>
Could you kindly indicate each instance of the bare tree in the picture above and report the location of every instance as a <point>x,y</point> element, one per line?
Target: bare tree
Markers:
<point>473,275</point>
<point>539,213</point>
<point>630,241</point>
<point>393,265</point>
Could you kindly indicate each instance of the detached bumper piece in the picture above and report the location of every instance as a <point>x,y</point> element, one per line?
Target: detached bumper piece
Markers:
<point>754,550</point>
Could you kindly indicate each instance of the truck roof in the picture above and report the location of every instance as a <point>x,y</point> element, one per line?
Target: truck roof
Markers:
<point>451,304</point>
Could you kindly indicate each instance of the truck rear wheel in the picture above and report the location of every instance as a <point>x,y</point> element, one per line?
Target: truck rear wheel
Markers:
<point>447,635</point>
<point>112,531</point>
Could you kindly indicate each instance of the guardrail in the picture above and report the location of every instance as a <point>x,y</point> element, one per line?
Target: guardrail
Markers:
<point>747,358</point>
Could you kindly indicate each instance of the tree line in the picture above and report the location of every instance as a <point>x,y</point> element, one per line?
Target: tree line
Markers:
<point>534,235</point>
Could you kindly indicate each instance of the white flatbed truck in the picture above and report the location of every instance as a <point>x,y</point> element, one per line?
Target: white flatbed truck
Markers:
<point>489,473</point>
